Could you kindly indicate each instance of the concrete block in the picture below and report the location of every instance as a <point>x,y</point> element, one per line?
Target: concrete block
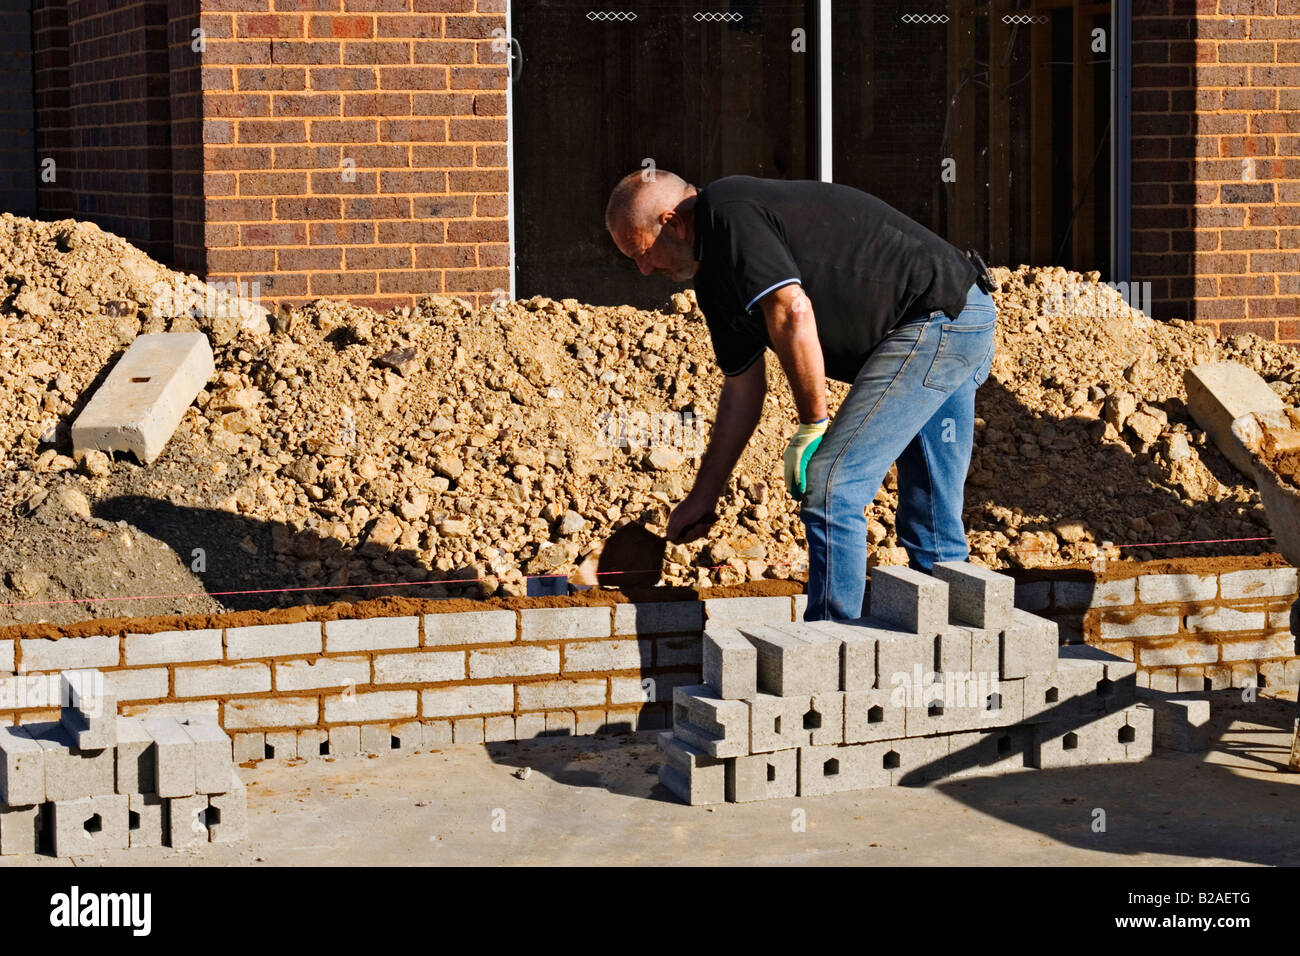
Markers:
<point>857,651</point>
<point>187,708</point>
<point>659,617</point>
<point>89,711</point>
<point>6,656</point>
<point>694,776</point>
<point>1029,646</point>
<point>872,715</point>
<point>141,683</point>
<point>1218,393</point>
<point>719,728</point>
<point>372,705</point>
<point>22,769</point>
<point>174,757</point>
<point>248,747</point>
<point>137,770</point>
<point>470,627</point>
<point>777,723</point>
<point>142,400</point>
<point>1258,583</point>
<point>91,824</point>
<point>503,727</point>
<point>371,634</point>
<point>1181,721</point>
<point>422,667</point>
<point>1281,644</point>
<point>281,745</point>
<point>221,680</point>
<point>559,694</point>
<point>376,739</point>
<point>244,713</point>
<point>70,773</point>
<point>824,719</point>
<point>1170,588</point>
<point>977,597</point>
<point>992,751</point>
<point>1180,653</point>
<point>901,656</point>
<point>345,741</point>
<point>800,606</point>
<point>471,699</point>
<point>559,723</point>
<point>676,650</point>
<point>528,726</point>
<point>322,673</point>
<point>20,829</point>
<point>914,761</point>
<point>470,730</point>
<point>1033,595</point>
<point>172,647</point>
<point>564,623</point>
<point>212,754</point>
<point>68,653</point>
<point>274,640</point>
<point>406,736</point>
<point>608,655</point>
<point>790,665</point>
<point>738,611</point>
<point>313,742</point>
<point>835,769</point>
<point>227,816</point>
<point>1226,619</point>
<point>1080,594</point>
<point>909,599</point>
<point>956,645</point>
<point>517,661</point>
<point>187,824</point>
<point>146,820</point>
<point>730,664</point>
<point>770,776</point>
<point>1121,735</point>
<point>986,651</point>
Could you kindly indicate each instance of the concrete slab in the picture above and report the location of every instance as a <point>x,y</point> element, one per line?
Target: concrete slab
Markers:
<point>144,397</point>
<point>1219,393</point>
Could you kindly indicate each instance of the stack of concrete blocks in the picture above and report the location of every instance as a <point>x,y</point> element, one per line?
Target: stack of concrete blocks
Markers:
<point>95,781</point>
<point>944,677</point>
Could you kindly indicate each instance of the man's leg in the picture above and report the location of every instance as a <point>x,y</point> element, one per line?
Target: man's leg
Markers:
<point>932,471</point>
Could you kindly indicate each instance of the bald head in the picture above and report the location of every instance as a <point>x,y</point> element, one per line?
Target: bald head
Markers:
<point>650,217</point>
<point>640,198</point>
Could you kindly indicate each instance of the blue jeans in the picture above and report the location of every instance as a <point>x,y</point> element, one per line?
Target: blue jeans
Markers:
<point>913,402</point>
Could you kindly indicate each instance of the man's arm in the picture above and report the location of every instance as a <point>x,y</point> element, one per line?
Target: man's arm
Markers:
<point>792,330</point>
<point>740,406</point>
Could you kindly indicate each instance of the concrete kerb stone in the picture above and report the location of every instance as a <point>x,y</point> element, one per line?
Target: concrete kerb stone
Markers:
<point>20,829</point>
<point>135,757</point>
<point>667,617</point>
<point>91,824</point>
<point>212,754</point>
<point>749,610</point>
<point>227,815</point>
<point>186,821</point>
<point>90,712</point>
<point>769,776</point>
<point>70,773</point>
<point>690,773</point>
<point>1033,595</point>
<point>909,599</point>
<point>872,715</point>
<point>719,728</point>
<point>1218,393</point>
<point>313,742</point>
<point>730,662</point>
<point>145,395</point>
<point>146,820</point>
<point>790,664</point>
<point>274,640</point>
<point>345,741</point>
<point>373,633</point>
<point>825,770</point>
<point>280,745</point>
<point>251,746</point>
<point>175,762</point>
<point>1181,721</point>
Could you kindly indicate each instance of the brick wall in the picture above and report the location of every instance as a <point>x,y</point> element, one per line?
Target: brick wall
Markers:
<point>356,148</point>
<point>467,676</point>
<point>51,97</point>
<point>1187,625</point>
<point>17,110</point>
<point>1216,162</point>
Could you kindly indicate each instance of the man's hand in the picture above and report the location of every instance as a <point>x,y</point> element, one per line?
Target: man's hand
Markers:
<point>688,520</point>
<point>798,453</point>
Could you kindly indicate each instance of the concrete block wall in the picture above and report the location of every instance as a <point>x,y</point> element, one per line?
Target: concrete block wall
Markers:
<point>1188,625</point>
<point>466,676</point>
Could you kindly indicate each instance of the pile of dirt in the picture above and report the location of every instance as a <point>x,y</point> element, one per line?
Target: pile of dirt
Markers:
<point>338,448</point>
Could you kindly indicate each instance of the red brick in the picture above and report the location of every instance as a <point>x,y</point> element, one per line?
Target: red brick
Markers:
<point>377,6</point>
<point>1245,52</point>
<point>445,52</point>
<point>236,210</point>
<point>313,104</point>
<point>496,155</point>
<point>217,78</point>
<point>442,207</point>
<point>308,157</point>
<point>1274,262</point>
<point>413,131</point>
<point>1279,28</point>
<point>476,280</point>
<point>379,157</point>
<point>342,78</point>
<point>278,78</point>
<point>343,283</point>
<point>378,257</point>
<point>413,181</point>
<point>272,131</point>
<point>237,157</point>
<point>377,104</point>
<point>241,260</point>
<point>1219,216</point>
<point>422,282</point>
<point>479,230</point>
<point>273,184</point>
<point>308,6</point>
<point>477,78</point>
<point>237,104</point>
<point>490,104</point>
<point>443,6</point>
<point>374,53</point>
<point>218,131</point>
<point>1250,100</point>
<point>412,77</point>
<point>442,156</point>
<point>268,25</point>
<point>412,233</point>
<point>335,183</point>
<point>419,26</point>
<point>1221,309</point>
<point>478,181</point>
<point>312,52</point>
<point>476,27</point>
<point>236,52</point>
<point>478,130</point>
<point>342,233</point>
<point>1250,239</point>
<point>442,104</point>
<point>220,235</point>
<point>377,207</point>
<point>273,234</point>
<point>494,254</point>
<point>312,259</point>
<point>1247,146</point>
<point>491,52</point>
<point>342,27</point>
<point>219,184</point>
<point>343,131</point>
<point>497,206</point>
<point>309,208</point>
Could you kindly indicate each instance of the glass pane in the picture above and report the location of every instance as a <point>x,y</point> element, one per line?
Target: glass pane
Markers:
<point>703,90</point>
<point>988,122</point>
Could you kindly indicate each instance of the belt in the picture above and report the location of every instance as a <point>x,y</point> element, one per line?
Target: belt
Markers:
<point>983,278</point>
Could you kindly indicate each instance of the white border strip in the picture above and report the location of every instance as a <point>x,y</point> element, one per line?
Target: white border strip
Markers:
<point>824,97</point>
<point>510,146</point>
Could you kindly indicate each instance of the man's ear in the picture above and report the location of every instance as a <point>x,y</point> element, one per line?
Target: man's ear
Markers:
<point>675,224</point>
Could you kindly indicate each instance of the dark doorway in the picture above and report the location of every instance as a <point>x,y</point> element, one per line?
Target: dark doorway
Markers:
<point>702,90</point>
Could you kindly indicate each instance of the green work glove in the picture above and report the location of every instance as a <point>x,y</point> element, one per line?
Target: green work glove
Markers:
<point>799,452</point>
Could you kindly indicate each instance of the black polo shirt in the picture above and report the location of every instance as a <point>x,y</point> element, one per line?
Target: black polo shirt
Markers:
<point>864,265</point>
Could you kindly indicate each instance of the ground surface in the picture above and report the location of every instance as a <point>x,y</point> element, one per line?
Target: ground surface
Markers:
<point>596,800</point>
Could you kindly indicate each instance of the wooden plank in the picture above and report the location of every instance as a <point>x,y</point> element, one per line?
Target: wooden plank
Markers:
<point>962,195</point>
<point>999,196</point>
<point>1040,141</point>
<point>1083,236</point>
